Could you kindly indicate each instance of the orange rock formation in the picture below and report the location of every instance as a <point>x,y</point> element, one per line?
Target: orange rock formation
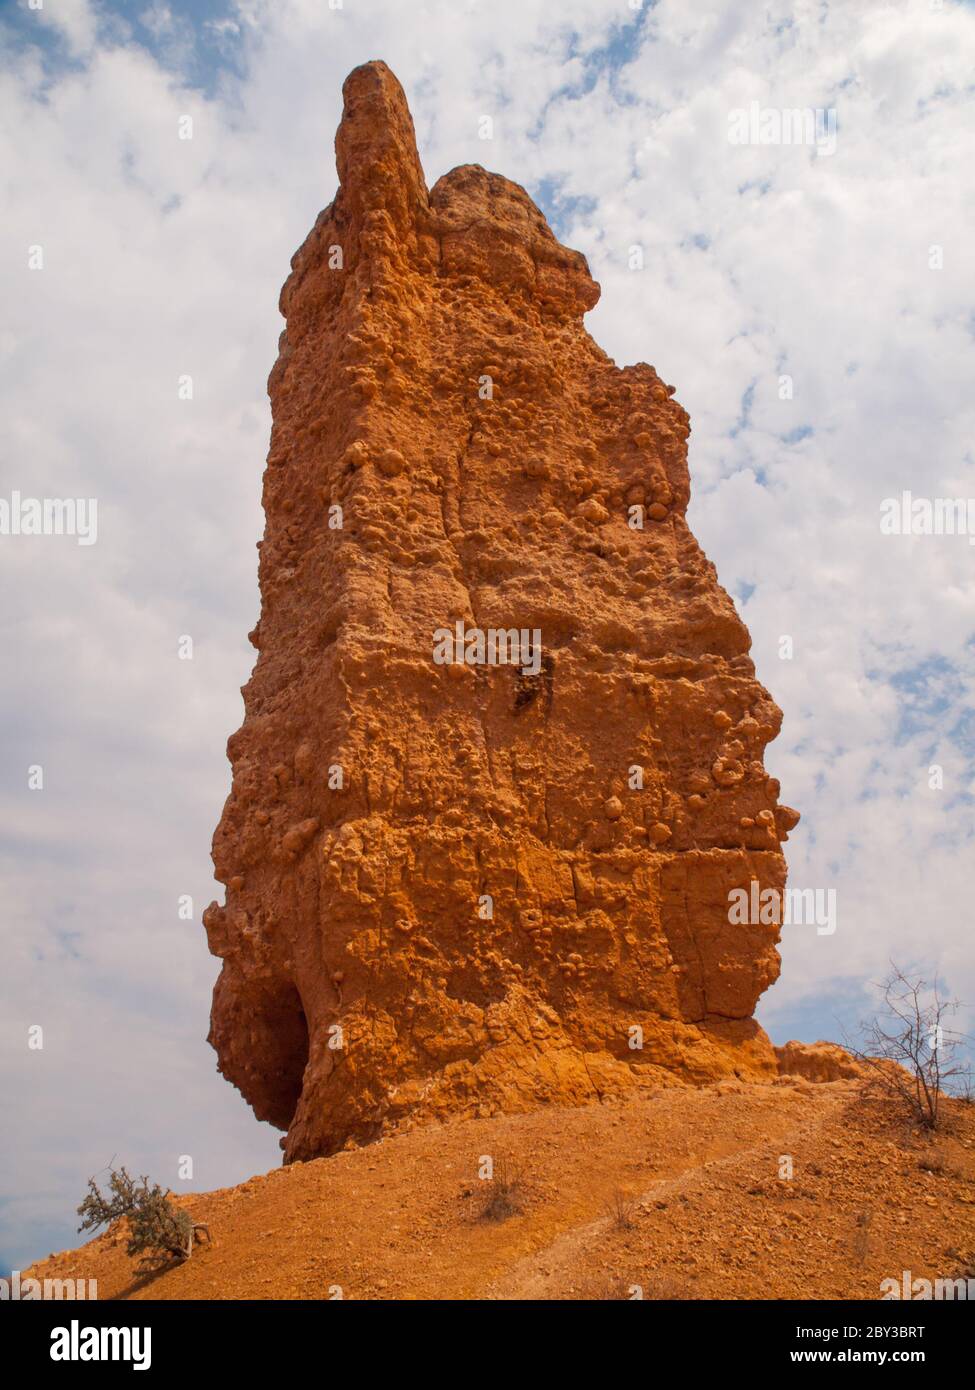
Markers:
<point>458,887</point>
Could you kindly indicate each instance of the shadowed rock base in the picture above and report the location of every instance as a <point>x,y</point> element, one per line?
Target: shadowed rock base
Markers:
<point>459,889</point>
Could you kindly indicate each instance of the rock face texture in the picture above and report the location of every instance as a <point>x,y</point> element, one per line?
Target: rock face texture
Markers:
<point>456,887</point>
<point>820,1061</point>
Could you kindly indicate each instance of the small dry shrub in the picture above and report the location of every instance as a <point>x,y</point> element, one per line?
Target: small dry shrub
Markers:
<point>159,1231</point>
<point>622,1210</point>
<point>505,1195</point>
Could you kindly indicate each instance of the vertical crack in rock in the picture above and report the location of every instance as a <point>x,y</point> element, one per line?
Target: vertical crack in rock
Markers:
<point>456,889</point>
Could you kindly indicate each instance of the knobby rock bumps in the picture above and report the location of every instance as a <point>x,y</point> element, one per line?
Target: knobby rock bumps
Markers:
<point>501,761</point>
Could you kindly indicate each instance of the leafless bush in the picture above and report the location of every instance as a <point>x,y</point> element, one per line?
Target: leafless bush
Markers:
<point>505,1196</point>
<point>621,1210</point>
<point>861,1234</point>
<point>911,1052</point>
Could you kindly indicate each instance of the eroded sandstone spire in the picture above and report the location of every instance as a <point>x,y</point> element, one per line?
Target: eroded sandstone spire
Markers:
<point>455,889</point>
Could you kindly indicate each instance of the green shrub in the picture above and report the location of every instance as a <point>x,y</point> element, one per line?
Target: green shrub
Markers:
<point>158,1230</point>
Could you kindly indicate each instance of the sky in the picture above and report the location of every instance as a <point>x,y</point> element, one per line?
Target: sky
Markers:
<point>813,303</point>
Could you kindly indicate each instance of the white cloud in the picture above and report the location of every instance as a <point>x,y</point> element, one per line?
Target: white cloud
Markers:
<point>74,21</point>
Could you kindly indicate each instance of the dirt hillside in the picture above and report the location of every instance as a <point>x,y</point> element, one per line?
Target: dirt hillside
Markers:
<point>678,1194</point>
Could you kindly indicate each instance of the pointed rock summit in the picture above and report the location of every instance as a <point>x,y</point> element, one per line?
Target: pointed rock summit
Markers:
<point>501,761</point>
